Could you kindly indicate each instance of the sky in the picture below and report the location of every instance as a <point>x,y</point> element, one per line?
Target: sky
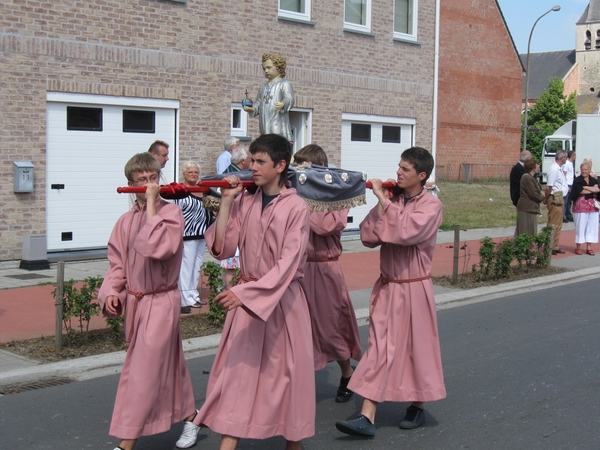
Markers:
<point>553,32</point>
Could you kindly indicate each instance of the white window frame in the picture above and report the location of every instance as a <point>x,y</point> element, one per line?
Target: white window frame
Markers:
<point>243,130</point>
<point>356,27</point>
<point>409,36</point>
<point>303,17</point>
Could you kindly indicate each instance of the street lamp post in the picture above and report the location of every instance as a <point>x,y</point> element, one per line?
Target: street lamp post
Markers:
<point>554,8</point>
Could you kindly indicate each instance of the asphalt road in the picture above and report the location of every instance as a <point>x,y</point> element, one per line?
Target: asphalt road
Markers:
<point>522,372</point>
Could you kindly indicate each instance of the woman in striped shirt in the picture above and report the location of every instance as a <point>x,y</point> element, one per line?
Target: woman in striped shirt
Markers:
<point>197,220</point>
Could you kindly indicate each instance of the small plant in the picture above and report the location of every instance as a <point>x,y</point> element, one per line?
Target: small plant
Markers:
<point>116,327</point>
<point>524,250</point>
<point>503,258</point>
<point>214,273</point>
<point>543,243</point>
<point>80,303</point>
<point>486,257</point>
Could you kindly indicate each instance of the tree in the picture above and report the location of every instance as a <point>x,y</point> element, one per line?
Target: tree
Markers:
<point>551,110</point>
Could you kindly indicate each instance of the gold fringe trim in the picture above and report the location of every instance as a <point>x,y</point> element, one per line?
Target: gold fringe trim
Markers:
<point>214,203</point>
<point>320,206</point>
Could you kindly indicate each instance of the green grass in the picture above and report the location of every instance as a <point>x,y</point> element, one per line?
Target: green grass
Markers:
<point>479,205</point>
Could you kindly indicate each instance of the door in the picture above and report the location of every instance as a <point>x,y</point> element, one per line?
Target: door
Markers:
<point>300,122</point>
<point>373,145</point>
<point>87,148</point>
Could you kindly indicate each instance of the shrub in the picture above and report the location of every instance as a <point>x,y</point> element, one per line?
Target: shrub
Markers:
<point>214,273</point>
<point>80,303</point>
<point>497,259</point>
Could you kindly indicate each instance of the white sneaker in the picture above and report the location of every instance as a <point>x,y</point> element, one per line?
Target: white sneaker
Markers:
<point>188,436</point>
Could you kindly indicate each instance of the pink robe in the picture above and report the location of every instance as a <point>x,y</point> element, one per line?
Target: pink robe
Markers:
<point>262,382</point>
<point>334,327</point>
<point>155,389</point>
<point>403,360</point>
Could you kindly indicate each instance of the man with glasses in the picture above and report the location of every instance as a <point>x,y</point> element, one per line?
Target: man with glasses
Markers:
<point>144,252</point>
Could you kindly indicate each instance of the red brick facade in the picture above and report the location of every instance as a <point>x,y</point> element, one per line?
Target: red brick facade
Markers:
<point>480,81</point>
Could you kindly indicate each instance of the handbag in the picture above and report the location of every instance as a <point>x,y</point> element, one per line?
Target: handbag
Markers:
<point>558,199</point>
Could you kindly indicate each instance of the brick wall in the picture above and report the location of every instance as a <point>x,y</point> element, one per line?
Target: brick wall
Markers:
<point>204,54</point>
<point>479,88</point>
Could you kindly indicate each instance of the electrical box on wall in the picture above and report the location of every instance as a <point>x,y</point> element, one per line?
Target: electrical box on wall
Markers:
<point>23,176</point>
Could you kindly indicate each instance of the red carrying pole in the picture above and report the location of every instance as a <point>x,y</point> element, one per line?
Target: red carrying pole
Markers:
<point>203,186</point>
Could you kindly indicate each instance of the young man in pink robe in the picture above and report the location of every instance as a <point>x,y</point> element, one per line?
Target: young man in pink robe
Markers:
<point>144,252</point>
<point>403,361</point>
<point>262,382</point>
<point>334,327</point>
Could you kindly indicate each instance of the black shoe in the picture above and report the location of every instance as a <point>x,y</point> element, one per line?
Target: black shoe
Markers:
<point>414,418</point>
<point>199,303</point>
<point>186,310</point>
<point>558,251</point>
<point>343,393</point>
<point>357,426</point>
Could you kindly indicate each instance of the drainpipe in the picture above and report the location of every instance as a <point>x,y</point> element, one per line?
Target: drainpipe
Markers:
<point>436,68</point>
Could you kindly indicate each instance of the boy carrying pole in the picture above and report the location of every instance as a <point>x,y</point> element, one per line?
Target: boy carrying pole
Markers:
<point>262,381</point>
<point>144,252</point>
<point>403,361</point>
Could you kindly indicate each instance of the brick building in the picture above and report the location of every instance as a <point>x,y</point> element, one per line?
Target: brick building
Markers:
<point>87,84</point>
<point>480,79</point>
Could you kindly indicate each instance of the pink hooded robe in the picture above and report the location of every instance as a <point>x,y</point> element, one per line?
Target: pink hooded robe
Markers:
<point>403,360</point>
<point>334,327</point>
<point>262,382</point>
<point>155,388</point>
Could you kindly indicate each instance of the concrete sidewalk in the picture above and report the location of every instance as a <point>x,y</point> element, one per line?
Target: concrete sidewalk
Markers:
<point>27,309</point>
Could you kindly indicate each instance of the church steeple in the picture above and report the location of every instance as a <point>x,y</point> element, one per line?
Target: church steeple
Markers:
<point>588,58</point>
<point>594,11</point>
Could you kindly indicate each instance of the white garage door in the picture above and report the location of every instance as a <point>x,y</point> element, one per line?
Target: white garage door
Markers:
<point>373,144</point>
<point>88,145</point>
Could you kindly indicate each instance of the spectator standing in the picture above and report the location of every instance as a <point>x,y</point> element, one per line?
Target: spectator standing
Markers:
<point>585,191</point>
<point>197,220</point>
<point>160,151</point>
<point>569,170</point>
<point>530,198</point>
<point>240,160</point>
<point>224,158</point>
<point>554,195</point>
<point>515,176</point>
<point>590,163</point>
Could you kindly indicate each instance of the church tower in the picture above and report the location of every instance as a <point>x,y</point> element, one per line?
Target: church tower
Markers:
<point>588,58</point>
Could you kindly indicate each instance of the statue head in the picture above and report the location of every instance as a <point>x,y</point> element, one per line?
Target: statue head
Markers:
<point>277,60</point>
